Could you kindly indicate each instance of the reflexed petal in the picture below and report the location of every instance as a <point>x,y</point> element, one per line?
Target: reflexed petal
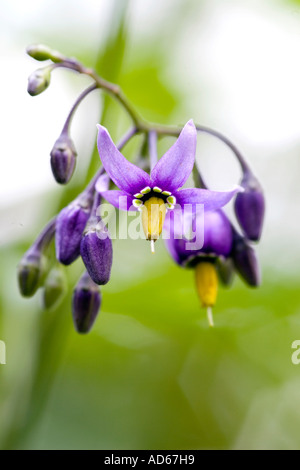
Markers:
<point>124,174</point>
<point>211,200</point>
<point>119,199</point>
<point>174,168</point>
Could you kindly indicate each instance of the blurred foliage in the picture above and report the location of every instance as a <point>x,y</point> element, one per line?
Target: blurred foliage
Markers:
<point>151,374</point>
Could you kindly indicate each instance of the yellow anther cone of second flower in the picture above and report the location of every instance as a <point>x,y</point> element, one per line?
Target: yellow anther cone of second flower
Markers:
<point>153,217</point>
<point>207,286</point>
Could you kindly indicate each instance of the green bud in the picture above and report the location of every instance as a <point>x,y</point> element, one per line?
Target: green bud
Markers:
<point>30,271</point>
<point>54,288</point>
<point>38,81</point>
<point>41,53</point>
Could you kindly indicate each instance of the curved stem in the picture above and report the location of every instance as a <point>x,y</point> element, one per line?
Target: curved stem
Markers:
<point>227,142</point>
<point>139,124</point>
<point>88,90</point>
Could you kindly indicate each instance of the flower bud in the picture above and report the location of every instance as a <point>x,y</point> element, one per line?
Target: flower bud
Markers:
<point>54,288</point>
<point>38,81</point>
<point>245,261</point>
<point>41,53</point>
<point>70,225</point>
<point>63,159</point>
<point>30,270</point>
<point>85,304</point>
<point>96,251</point>
<point>225,270</point>
<point>250,207</point>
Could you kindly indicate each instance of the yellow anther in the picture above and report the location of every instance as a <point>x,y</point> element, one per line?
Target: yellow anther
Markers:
<point>153,217</point>
<point>206,283</point>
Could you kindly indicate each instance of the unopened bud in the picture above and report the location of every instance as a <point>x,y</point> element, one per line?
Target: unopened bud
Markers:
<point>96,252</point>
<point>250,207</point>
<point>54,288</point>
<point>225,269</point>
<point>70,225</point>
<point>30,271</point>
<point>38,81</point>
<point>63,159</point>
<point>245,261</point>
<point>41,53</point>
<point>86,304</point>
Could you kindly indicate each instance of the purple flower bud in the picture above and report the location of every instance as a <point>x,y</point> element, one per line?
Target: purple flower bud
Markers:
<point>86,304</point>
<point>96,251</point>
<point>70,225</point>
<point>38,81</point>
<point>245,261</point>
<point>250,207</point>
<point>63,159</point>
<point>30,270</point>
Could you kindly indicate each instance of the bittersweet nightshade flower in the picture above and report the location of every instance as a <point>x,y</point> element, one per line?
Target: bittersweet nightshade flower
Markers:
<point>39,80</point>
<point>160,191</point>
<point>217,243</point>
<point>70,225</point>
<point>250,207</point>
<point>217,240</point>
<point>85,304</point>
<point>245,261</point>
<point>96,247</point>
<point>63,158</point>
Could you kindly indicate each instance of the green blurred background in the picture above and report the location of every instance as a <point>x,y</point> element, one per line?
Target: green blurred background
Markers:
<point>151,374</point>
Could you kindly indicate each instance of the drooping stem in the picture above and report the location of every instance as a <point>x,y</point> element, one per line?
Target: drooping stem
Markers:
<point>81,97</point>
<point>226,141</point>
<point>140,125</point>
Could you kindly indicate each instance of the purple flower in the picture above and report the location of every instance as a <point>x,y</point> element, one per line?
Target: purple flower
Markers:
<point>160,191</point>
<point>217,240</point>
<point>217,245</point>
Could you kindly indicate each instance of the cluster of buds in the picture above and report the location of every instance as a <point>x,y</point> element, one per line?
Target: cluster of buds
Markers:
<point>79,232</point>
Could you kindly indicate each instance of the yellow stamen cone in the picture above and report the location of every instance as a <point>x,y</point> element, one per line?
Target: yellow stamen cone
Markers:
<point>153,217</point>
<point>207,286</point>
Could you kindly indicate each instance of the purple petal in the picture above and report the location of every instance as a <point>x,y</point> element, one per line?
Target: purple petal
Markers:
<point>212,200</point>
<point>124,174</point>
<point>119,199</point>
<point>174,168</point>
<point>102,183</point>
